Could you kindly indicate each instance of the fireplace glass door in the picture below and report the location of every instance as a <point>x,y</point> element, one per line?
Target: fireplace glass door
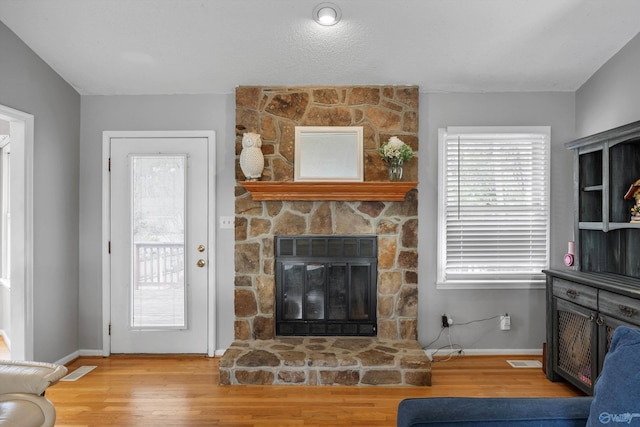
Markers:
<point>324,292</point>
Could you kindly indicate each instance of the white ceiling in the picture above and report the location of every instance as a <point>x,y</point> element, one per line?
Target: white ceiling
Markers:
<point>107,47</point>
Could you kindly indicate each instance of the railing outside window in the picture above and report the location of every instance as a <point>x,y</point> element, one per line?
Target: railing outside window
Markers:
<point>158,264</point>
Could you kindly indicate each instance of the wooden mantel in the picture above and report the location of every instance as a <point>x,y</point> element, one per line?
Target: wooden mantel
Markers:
<point>351,191</point>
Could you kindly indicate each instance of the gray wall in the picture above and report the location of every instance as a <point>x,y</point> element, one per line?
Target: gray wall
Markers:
<point>526,307</point>
<point>608,99</point>
<point>437,110</point>
<point>217,112</point>
<point>29,85</point>
<point>611,97</point>
<point>172,112</point>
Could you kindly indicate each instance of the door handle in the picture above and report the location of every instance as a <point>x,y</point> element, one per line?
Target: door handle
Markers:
<point>200,263</point>
<point>627,311</point>
<point>572,294</point>
<point>201,248</point>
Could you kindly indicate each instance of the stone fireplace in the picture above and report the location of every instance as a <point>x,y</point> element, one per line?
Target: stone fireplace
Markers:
<point>273,112</point>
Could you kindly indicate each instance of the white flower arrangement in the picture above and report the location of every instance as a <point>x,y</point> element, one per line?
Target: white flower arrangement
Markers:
<point>395,149</point>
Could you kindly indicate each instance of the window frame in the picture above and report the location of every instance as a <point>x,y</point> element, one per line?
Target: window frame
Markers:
<point>524,281</point>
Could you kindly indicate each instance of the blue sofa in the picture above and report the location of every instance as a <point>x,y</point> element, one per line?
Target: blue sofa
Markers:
<point>494,412</point>
<point>616,400</point>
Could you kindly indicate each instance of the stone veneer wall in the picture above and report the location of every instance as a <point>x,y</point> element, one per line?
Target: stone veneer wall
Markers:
<point>273,112</point>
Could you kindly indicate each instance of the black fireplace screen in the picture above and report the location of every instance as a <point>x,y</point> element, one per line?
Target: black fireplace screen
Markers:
<point>326,285</point>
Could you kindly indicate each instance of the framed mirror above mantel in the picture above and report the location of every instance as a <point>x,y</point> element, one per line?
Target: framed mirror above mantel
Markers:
<point>343,191</point>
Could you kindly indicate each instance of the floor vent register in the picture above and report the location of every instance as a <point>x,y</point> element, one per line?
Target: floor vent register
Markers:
<point>525,363</point>
<point>78,373</point>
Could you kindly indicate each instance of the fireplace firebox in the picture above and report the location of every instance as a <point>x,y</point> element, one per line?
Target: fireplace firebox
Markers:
<point>326,285</point>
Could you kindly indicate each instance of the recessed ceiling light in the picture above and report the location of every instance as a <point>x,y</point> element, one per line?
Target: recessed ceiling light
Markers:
<point>327,14</point>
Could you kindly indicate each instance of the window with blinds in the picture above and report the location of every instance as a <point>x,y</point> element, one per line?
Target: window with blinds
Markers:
<point>493,207</point>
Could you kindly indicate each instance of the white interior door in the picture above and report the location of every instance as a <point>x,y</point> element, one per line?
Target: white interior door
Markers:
<point>159,245</point>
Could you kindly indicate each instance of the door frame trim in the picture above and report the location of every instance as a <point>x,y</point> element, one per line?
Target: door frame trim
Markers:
<point>106,227</point>
<point>22,328</point>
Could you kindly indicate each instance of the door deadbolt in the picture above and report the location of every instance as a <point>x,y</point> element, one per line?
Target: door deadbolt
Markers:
<point>201,248</point>
<point>200,263</point>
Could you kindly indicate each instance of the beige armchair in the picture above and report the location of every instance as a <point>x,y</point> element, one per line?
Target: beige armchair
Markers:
<point>22,386</point>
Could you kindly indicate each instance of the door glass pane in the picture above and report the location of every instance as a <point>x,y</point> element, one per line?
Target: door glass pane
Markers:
<point>292,291</point>
<point>158,202</point>
<point>337,306</point>
<point>315,292</point>
<point>359,292</point>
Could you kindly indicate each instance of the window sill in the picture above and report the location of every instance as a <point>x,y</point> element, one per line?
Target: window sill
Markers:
<point>480,284</point>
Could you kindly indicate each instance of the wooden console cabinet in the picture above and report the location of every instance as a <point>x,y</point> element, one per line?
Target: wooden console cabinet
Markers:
<point>583,309</point>
<point>602,291</point>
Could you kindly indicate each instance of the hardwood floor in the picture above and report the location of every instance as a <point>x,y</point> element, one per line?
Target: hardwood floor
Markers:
<point>184,391</point>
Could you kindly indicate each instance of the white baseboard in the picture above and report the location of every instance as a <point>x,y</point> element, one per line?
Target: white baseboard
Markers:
<point>67,358</point>
<point>98,353</point>
<point>73,356</point>
<point>488,352</point>
<point>470,352</point>
<point>92,353</point>
<point>428,352</point>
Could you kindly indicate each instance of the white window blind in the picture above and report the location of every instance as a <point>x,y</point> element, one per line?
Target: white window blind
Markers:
<point>493,207</point>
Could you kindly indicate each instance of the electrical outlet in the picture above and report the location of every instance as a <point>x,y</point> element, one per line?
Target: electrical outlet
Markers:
<point>227,222</point>
<point>505,322</point>
<point>445,321</point>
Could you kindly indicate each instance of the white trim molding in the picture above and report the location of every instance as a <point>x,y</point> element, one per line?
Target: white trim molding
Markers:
<point>22,312</point>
